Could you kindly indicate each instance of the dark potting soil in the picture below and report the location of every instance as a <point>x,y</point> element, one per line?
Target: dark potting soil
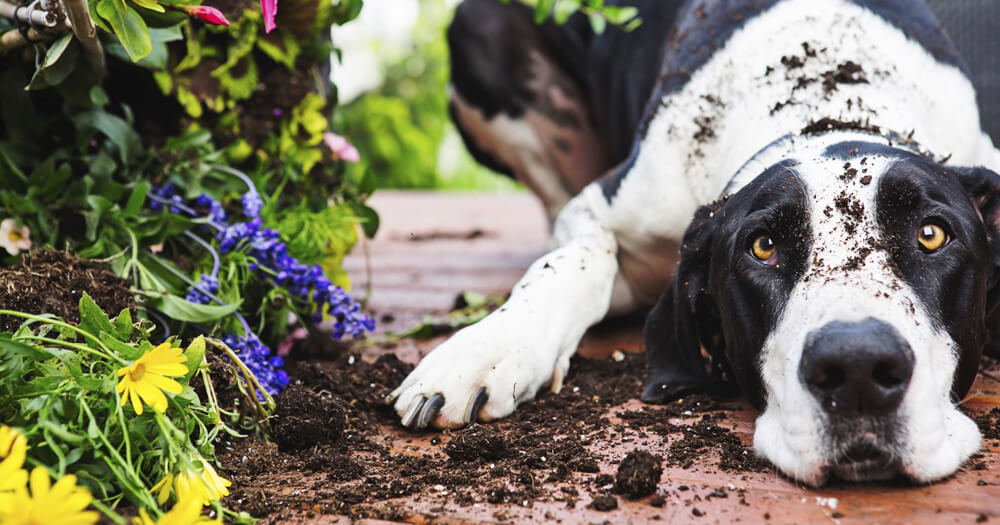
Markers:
<point>638,474</point>
<point>305,418</point>
<point>546,451</point>
<point>53,282</point>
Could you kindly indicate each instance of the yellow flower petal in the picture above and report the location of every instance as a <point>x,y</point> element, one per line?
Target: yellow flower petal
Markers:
<point>39,481</point>
<point>164,383</point>
<point>167,369</point>
<point>143,518</point>
<point>152,396</point>
<point>136,404</point>
<point>163,486</point>
<point>62,503</point>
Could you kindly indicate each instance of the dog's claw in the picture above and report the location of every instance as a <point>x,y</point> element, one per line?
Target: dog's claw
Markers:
<point>409,418</point>
<point>393,396</point>
<point>430,411</point>
<point>476,404</point>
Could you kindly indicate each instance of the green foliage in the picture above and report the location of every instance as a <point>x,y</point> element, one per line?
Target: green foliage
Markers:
<point>81,157</point>
<point>58,387</point>
<point>599,15</point>
<point>402,125</point>
<point>319,237</point>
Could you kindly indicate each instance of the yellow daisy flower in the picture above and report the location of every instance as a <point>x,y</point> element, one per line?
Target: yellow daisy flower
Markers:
<point>204,486</point>
<point>149,376</point>
<point>13,477</point>
<point>61,503</point>
<point>185,512</point>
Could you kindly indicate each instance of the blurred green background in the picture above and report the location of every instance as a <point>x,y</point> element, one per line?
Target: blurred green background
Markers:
<point>393,81</point>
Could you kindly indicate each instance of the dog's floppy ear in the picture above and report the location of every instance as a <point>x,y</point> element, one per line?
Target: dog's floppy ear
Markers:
<point>983,187</point>
<point>684,320</point>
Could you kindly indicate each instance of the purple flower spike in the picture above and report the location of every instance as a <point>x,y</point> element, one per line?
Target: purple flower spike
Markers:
<point>252,204</point>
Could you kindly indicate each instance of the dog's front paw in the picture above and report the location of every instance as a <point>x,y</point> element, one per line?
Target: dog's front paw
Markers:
<point>482,373</point>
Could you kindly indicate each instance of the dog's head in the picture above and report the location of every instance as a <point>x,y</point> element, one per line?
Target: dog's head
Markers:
<point>847,289</point>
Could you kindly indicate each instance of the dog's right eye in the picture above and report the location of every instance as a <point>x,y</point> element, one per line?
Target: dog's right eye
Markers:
<point>764,250</point>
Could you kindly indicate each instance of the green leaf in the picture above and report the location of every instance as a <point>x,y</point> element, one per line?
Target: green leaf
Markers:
<point>620,15</point>
<point>135,200</point>
<point>59,62</point>
<point>122,325</point>
<point>71,360</point>
<point>564,9</point>
<point>598,23</point>
<point>125,350</point>
<point>98,96</point>
<point>119,132</point>
<point>181,310</point>
<point>195,354</point>
<point>149,4</point>
<point>369,218</point>
<point>92,319</point>
<point>128,26</point>
<point>542,10</point>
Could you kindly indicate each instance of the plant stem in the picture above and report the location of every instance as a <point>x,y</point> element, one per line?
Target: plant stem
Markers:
<point>75,346</point>
<point>186,209</point>
<point>85,31</point>
<point>250,379</point>
<point>62,324</point>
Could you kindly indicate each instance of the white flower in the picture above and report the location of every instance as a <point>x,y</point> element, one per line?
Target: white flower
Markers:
<point>14,239</point>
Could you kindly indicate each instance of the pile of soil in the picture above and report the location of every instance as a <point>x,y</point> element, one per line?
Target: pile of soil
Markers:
<point>549,450</point>
<point>53,283</point>
<point>638,474</point>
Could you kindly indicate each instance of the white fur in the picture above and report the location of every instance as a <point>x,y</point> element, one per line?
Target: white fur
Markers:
<point>791,432</point>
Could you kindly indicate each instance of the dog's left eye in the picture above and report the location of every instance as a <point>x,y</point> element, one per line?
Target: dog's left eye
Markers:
<point>932,237</point>
<point>764,250</point>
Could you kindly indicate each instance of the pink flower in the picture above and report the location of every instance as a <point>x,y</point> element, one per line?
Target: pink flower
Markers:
<point>208,14</point>
<point>340,148</point>
<point>270,10</point>
<point>14,239</point>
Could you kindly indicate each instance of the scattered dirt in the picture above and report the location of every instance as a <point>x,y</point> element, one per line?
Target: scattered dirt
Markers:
<point>53,283</point>
<point>989,424</point>
<point>604,503</point>
<point>846,73</point>
<point>852,209</point>
<point>830,124</point>
<point>449,235</point>
<point>548,450</point>
<point>638,474</point>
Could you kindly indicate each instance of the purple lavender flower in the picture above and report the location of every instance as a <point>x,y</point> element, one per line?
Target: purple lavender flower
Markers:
<point>215,207</point>
<point>269,259</point>
<point>252,204</point>
<point>166,192</point>
<point>207,285</point>
<point>264,366</point>
<point>309,283</point>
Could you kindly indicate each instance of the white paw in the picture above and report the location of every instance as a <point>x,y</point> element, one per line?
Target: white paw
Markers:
<point>482,373</point>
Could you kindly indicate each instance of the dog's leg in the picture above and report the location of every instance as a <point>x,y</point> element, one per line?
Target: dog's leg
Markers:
<point>485,370</point>
<point>516,107</point>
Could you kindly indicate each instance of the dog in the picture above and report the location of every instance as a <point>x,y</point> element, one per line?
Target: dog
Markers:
<point>812,174</point>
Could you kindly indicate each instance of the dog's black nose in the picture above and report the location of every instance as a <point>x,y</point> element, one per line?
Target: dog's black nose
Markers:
<point>858,368</point>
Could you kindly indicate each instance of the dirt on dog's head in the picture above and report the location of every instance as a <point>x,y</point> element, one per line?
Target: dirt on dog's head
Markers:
<point>847,289</point>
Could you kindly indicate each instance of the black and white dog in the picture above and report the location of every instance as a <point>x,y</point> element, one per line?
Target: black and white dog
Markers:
<point>842,261</point>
